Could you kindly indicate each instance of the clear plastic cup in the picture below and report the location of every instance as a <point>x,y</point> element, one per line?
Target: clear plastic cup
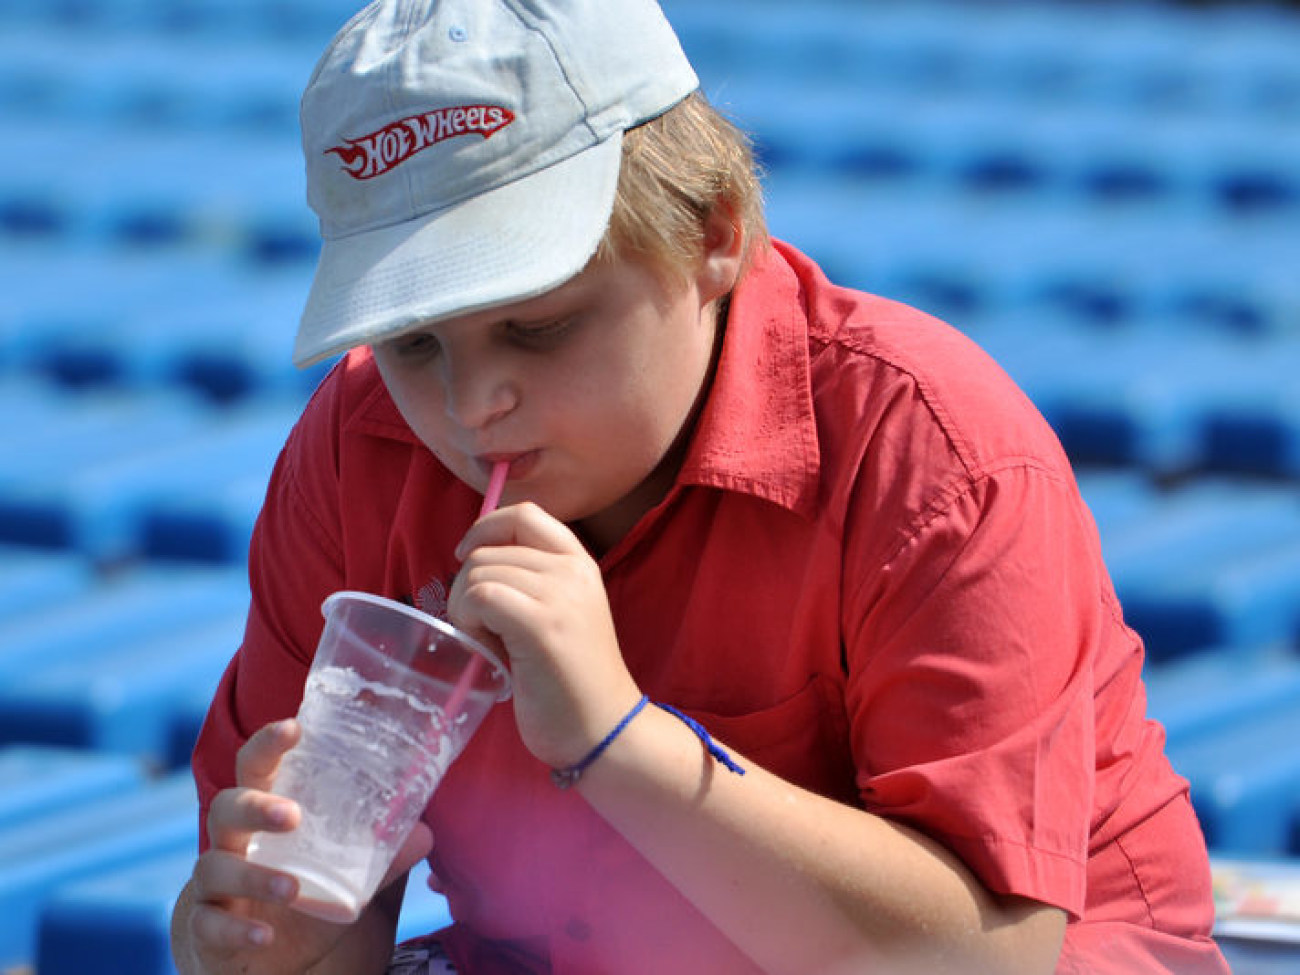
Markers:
<point>392,698</point>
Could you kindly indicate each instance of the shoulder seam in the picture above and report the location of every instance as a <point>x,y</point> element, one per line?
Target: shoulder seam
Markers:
<point>959,486</point>
<point>961,448</point>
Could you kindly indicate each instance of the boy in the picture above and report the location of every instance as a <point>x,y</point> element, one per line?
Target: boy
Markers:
<point>819,523</point>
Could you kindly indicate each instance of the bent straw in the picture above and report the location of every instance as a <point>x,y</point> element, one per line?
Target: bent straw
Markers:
<point>491,498</point>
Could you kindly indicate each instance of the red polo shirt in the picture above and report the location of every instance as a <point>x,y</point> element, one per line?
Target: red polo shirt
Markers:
<point>874,576</point>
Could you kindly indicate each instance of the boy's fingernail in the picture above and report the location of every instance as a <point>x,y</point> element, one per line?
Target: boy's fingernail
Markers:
<point>280,814</point>
<point>281,888</point>
<point>259,936</point>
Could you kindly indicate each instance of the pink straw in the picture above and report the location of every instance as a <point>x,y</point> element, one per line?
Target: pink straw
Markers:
<point>496,484</point>
<point>491,498</point>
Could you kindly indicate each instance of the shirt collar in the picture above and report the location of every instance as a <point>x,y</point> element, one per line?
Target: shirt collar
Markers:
<point>757,433</point>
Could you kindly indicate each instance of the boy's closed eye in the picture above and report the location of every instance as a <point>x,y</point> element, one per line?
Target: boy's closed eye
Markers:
<point>539,336</point>
<point>415,345</point>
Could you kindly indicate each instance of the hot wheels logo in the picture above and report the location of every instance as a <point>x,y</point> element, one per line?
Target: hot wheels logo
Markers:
<point>375,154</point>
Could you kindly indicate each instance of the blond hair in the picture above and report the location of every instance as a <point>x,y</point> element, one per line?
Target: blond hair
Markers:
<point>677,169</point>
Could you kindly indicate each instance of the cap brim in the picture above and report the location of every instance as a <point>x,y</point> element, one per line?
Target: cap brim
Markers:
<point>512,243</point>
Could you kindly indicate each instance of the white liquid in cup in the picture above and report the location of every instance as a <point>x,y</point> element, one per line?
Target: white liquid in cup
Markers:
<point>369,757</point>
<point>392,697</point>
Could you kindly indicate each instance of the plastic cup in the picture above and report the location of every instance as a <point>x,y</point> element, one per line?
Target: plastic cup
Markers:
<point>392,698</point>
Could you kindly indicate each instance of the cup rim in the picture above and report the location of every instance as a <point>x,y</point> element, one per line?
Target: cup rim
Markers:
<point>441,626</point>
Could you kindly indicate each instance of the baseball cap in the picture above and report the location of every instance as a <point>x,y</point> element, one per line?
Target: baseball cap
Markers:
<point>463,154</point>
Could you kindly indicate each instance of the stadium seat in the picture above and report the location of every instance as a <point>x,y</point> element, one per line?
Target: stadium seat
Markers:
<point>1245,782</point>
<point>117,922</point>
<point>102,511</point>
<point>1214,562</point>
<point>1220,687</point>
<point>37,781</point>
<point>122,612</point>
<point>39,579</point>
<point>39,856</point>
<point>121,699</point>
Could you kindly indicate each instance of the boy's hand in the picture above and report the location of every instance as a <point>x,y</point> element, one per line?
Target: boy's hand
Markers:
<point>234,915</point>
<point>527,584</point>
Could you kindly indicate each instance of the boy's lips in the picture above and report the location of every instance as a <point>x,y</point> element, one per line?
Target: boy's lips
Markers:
<point>520,463</point>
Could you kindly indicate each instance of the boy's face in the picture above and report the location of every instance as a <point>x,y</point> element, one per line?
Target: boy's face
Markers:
<point>584,389</point>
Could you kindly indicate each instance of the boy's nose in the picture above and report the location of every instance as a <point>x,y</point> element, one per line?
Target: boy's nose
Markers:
<point>476,394</point>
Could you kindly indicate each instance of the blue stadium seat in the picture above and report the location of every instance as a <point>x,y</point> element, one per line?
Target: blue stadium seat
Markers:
<point>1257,429</point>
<point>124,611</point>
<point>209,524</point>
<point>1101,394</point>
<point>1160,401</point>
<point>49,434</point>
<point>1245,781</point>
<point>188,710</point>
<point>1252,62</point>
<point>85,335</point>
<point>142,320</point>
<point>37,781</point>
<point>117,922</point>
<point>34,579</point>
<point>151,186</point>
<point>1215,562</point>
<point>1220,687</point>
<point>37,857</point>
<point>237,343</point>
<point>1118,498</point>
<point>102,510</point>
<point>121,699</point>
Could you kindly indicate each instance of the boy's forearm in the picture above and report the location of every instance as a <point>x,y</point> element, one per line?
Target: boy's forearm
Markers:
<point>802,883</point>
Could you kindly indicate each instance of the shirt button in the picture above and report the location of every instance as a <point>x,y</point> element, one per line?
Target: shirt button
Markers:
<point>577,929</point>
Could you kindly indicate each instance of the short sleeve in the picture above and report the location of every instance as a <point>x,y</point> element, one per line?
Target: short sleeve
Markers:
<point>970,691</point>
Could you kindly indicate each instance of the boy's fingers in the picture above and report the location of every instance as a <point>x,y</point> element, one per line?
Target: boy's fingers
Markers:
<point>257,761</point>
<point>238,813</point>
<point>224,933</point>
<point>522,524</point>
<point>220,877</point>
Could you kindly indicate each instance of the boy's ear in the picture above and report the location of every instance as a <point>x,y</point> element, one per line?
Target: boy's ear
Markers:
<point>723,253</point>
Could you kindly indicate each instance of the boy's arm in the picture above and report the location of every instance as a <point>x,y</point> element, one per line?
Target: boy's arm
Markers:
<point>798,881</point>
<point>802,883</point>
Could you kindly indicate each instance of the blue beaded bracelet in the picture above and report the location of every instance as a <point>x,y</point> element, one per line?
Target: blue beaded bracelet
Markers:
<point>564,778</point>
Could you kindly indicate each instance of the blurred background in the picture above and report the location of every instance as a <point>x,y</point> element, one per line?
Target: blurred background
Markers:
<point>1104,195</point>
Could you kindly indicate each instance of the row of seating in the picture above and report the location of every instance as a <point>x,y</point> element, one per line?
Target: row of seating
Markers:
<point>1160,268</point>
<point>119,476</point>
<point>1148,55</point>
<point>1156,57</point>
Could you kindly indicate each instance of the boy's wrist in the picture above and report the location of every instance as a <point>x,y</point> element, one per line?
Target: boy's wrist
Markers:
<point>662,745</point>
